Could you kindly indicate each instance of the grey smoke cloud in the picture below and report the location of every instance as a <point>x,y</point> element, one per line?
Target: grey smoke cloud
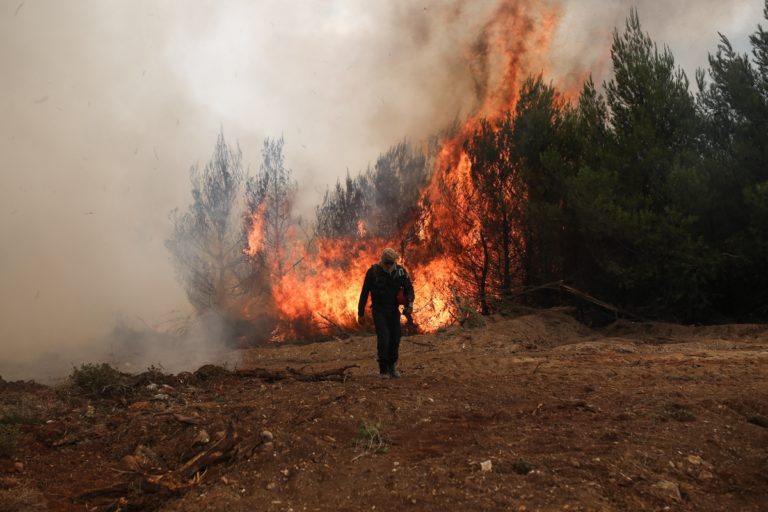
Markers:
<point>104,105</point>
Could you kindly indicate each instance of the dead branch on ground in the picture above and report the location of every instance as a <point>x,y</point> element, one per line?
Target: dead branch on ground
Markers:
<point>186,476</point>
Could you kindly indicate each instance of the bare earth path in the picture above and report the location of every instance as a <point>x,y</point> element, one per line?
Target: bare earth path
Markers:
<point>533,413</point>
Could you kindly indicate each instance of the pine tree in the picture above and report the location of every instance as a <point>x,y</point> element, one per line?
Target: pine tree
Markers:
<point>208,240</point>
<point>270,196</point>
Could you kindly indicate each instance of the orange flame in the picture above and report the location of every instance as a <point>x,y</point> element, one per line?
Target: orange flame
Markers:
<point>256,232</point>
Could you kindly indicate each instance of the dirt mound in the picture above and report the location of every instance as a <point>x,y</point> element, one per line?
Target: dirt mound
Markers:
<point>530,413</point>
<point>540,330</point>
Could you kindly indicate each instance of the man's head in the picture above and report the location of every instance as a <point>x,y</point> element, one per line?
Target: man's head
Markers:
<point>388,258</point>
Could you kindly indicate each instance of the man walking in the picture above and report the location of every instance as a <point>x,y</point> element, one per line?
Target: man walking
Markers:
<point>384,281</point>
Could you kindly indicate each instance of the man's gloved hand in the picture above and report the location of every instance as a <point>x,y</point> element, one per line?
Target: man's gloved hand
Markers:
<point>360,319</point>
<point>407,310</point>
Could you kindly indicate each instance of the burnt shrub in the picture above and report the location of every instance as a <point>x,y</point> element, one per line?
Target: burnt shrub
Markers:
<point>98,380</point>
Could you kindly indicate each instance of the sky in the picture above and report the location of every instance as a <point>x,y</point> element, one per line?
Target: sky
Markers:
<point>105,105</point>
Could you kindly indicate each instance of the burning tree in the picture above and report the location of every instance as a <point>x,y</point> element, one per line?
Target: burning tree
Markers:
<point>342,211</point>
<point>270,195</point>
<point>207,245</point>
<point>496,179</point>
<point>468,243</point>
<point>499,191</point>
<point>380,203</point>
<point>396,182</point>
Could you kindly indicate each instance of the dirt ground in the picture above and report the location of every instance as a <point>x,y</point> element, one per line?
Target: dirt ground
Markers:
<point>538,412</point>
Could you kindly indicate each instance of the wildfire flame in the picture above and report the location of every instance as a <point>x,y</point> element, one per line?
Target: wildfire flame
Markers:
<point>256,232</point>
<point>324,287</point>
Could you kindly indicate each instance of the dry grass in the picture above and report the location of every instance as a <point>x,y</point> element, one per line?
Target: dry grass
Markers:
<point>370,439</point>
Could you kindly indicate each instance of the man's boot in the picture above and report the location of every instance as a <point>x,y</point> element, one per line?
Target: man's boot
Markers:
<point>393,372</point>
<point>384,371</point>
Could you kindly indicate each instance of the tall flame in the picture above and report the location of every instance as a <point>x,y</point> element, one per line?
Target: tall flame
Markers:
<point>256,232</point>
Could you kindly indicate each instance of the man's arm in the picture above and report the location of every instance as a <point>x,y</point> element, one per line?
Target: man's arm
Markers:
<point>364,294</point>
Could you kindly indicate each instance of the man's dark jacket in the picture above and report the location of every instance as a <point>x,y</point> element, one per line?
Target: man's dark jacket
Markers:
<point>384,287</point>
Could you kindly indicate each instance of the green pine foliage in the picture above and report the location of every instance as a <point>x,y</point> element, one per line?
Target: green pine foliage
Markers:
<point>645,194</point>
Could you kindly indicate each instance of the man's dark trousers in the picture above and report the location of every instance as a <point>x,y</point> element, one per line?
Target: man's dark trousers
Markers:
<point>387,325</point>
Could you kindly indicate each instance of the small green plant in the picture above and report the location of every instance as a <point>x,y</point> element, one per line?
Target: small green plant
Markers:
<point>9,440</point>
<point>369,438</point>
<point>99,380</point>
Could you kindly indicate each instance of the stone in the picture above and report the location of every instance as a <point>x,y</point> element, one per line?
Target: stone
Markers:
<point>666,490</point>
<point>18,467</point>
<point>266,436</point>
<point>202,437</point>
<point>486,466</point>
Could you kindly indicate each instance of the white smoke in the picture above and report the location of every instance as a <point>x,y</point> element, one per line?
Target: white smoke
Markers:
<point>105,105</point>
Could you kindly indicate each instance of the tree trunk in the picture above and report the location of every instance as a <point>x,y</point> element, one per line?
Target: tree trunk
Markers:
<point>483,285</point>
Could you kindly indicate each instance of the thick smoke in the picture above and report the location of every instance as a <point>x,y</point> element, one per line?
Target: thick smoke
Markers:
<point>689,27</point>
<point>105,105</point>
